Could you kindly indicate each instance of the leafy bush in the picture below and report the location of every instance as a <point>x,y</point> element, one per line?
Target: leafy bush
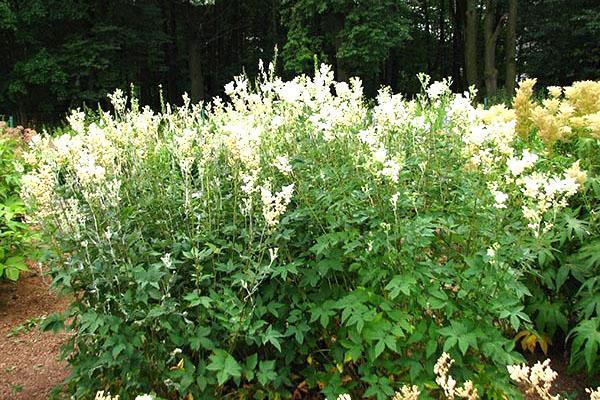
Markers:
<point>294,239</point>
<point>566,293</point>
<point>534,382</point>
<point>15,236</point>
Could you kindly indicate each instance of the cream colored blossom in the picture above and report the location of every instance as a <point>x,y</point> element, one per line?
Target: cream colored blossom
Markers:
<point>101,395</point>
<point>438,89</point>
<point>523,105</point>
<point>380,155</point>
<point>274,205</point>
<point>184,148</point>
<point>283,164</point>
<point>555,91</point>
<point>144,397</point>
<point>76,121</point>
<point>500,197</point>
<point>449,384</point>
<point>536,380</point>
<point>394,199</point>
<point>391,169</point>
<point>594,394</point>
<point>290,91</point>
<point>576,173</point>
<point>407,393</point>
<point>516,166</point>
<point>118,100</point>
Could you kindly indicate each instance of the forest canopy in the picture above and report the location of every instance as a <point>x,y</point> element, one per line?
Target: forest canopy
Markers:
<point>59,54</point>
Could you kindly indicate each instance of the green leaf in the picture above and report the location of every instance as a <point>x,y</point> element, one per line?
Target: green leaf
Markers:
<point>194,299</point>
<point>272,336</point>
<point>431,348</point>
<point>322,313</point>
<point>224,365</point>
<point>458,333</point>
<point>17,262</point>
<point>401,284</point>
<point>266,372</point>
<point>586,343</point>
<point>379,347</point>
<point>200,339</point>
<point>249,366</point>
<point>12,273</point>
<point>54,322</point>
<point>118,349</point>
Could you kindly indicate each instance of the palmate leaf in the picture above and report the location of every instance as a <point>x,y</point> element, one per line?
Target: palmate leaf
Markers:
<point>585,346</point>
<point>266,372</point>
<point>588,258</point>
<point>589,297</point>
<point>574,228</point>
<point>550,315</point>
<point>224,365</point>
<point>461,335</point>
<point>12,267</point>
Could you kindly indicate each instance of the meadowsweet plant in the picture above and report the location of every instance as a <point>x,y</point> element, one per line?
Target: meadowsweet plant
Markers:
<point>15,236</point>
<point>535,383</point>
<point>294,239</point>
<point>564,114</point>
<point>565,301</point>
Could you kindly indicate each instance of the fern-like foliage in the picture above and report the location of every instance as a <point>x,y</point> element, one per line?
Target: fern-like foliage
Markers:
<point>585,345</point>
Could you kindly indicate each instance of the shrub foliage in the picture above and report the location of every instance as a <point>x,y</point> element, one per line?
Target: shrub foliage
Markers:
<point>296,239</point>
<point>15,236</point>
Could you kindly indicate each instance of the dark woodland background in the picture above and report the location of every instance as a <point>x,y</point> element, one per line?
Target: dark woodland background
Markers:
<point>58,54</point>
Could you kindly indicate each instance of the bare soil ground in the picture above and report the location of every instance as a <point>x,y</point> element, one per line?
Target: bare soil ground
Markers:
<point>29,364</point>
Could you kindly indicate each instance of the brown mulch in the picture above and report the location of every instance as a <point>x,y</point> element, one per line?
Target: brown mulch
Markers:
<point>29,364</point>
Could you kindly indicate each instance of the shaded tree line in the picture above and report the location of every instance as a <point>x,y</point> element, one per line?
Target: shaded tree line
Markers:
<point>58,54</point>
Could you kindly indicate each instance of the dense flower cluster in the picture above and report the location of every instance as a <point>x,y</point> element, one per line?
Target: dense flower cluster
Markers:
<point>224,244</point>
<point>98,155</point>
<point>448,383</point>
<point>567,112</point>
<point>535,381</point>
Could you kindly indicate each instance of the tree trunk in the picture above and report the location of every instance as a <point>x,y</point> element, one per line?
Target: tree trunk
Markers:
<point>441,53</point>
<point>511,47</point>
<point>428,45</point>
<point>491,30</point>
<point>489,52</point>
<point>170,49</point>
<point>340,64</point>
<point>471,28</point>
<point>458,50</point>
<point>196,72</point>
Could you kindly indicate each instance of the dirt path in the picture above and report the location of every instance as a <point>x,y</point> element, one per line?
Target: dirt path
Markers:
<point>29,365</point>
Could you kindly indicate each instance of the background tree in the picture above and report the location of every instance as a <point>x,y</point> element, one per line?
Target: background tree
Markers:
<point>493,22</point>
<point>558,40</point>
<point>358,38</point>
<point>62,54</point>
<point>511,47</point>
<point>471,30</point>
